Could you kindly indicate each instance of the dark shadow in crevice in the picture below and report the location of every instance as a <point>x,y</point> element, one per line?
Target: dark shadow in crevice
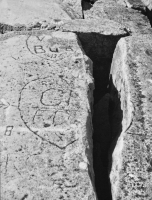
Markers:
<point>100,48</point>
<point>86,5</point>
<point>101,144</point>
<point>149,15</point>
<point>107,124</point>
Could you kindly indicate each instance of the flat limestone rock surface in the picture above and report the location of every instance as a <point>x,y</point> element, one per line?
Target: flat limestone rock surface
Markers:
<point>28,11</point>
<point>102,26</point>
<point>45,117</point>
<point>131,174</point>
<point>133,20</point>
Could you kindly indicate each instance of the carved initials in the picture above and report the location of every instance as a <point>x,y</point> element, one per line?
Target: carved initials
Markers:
<point>39,49</point>
<point>54,49</point>
<point>8,130</point>
<point>53,55</point>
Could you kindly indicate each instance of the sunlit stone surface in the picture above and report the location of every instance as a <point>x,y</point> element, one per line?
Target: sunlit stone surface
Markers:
<point>45,118</point>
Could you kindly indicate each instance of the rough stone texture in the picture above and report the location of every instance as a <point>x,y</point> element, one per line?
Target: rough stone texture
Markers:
<point>45,117</point>
<point>46,92</point>
<point>135,4</point>
<point>74,7</point>
<point>145,6</point>
<point>134,21</point>
<point>131,174</point>
<point>102,26</point>
<point>148,3</point>
<point>38,14</point>
<point>26,11</point>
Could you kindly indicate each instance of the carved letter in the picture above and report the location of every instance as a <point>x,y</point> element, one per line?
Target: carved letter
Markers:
<point>54,49</point>
<point>8,130</point>
<point>39,49</point>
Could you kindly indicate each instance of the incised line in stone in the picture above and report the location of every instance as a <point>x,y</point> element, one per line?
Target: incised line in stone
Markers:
<point>35,132</point>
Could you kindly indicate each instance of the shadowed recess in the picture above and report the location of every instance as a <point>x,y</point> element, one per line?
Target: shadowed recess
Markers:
<point>99,48</point>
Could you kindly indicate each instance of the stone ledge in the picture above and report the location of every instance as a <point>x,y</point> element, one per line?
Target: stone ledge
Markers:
<point>132,19</point>
<point>132,157</point>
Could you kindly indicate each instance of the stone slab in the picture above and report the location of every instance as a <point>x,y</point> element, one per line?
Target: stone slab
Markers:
<point>26,11</point>
<point>45,118</point>
<point>102,26</point>
<point>131,72</point>
<point>133,20</point>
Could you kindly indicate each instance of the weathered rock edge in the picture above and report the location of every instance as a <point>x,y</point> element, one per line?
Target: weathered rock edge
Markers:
<point>131,174</point>
<point>46,118</point>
